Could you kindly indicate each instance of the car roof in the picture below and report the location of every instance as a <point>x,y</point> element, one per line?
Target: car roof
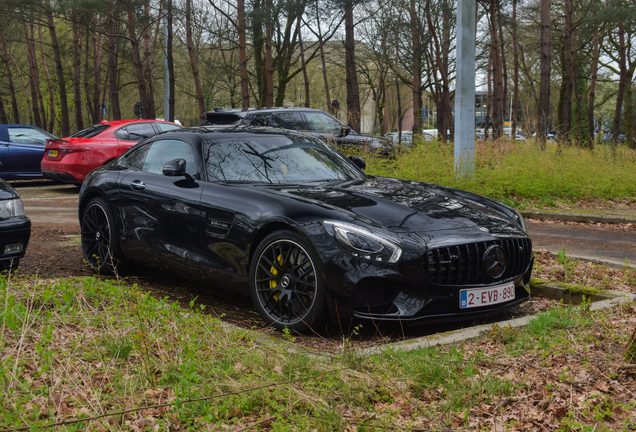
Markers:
<point>204,133</point>
<point>129,121</point>
<point>244,112</point>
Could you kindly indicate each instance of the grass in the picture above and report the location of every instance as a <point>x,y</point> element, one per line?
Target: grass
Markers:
<point>516,171</point>
<point>74,349</point>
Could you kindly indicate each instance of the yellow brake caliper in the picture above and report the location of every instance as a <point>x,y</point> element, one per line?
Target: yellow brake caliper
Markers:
<point>272,283</point>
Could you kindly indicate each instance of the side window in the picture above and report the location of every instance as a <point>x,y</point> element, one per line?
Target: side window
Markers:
<point>139,131</point>
<point>163,151</point>
<point>27,136</point>
<point>288,120</point>
<point>122,134</point>
<point>321,122</point>
<point>136,158</point>
<point>164,127</point>
<point>258,119</point>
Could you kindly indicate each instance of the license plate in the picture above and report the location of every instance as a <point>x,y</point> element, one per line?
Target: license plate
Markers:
<point>477,297</point>
<point>53,153</point>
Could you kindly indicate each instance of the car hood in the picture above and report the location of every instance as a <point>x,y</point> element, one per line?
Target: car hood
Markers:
<point>410,207</point>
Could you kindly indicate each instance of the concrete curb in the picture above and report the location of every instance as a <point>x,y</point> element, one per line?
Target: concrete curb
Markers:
<point>579,217</point>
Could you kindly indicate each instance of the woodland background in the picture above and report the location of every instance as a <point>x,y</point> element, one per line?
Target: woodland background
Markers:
<point>543,64</point>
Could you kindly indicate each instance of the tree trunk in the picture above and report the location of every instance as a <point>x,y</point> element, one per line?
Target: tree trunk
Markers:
<point>322,59</point>
<point>515,54</point>
<point>629,114</point>
<point>59,70</point>
<point>98,53</point>
<point>24,88</point>
<point>240,4</point>
<point>544,85</point>
<point>148,111</point>
<point>302,60</point>
<point>34,80</point>
<point>593,77</point>
<point>504,66</point>
<point>621,82</point>
<point>113,87</point>
<point>47,76</point>
<point>171,92</point>
<point>568,34</point>
<point>193,61</point>
<point>3,113</point>
<point>77,80</point>
<point>415,40</point>
<point>397,88</point>
<point>5,58</point>
<point>269,68</point>
<point>497,94</point>
<point>139,68</point>
<point>353,91</point>
<point>488,98</point>
<point>91,106</point>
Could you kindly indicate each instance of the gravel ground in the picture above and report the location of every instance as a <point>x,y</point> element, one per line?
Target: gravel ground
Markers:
<point>54,252</point>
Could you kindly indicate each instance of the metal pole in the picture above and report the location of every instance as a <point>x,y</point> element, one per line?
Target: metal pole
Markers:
<point>166,72</point>
<point>465,89</point>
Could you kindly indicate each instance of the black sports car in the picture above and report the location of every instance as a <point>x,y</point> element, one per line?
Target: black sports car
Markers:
<point>285,218</point>
<point>15,228</point>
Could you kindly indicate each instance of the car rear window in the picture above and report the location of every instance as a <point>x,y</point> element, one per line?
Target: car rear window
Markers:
<point>222,119</point>
<point>90,132</point>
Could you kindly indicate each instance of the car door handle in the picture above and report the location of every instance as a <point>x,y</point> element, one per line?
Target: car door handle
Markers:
<point>138,185</point>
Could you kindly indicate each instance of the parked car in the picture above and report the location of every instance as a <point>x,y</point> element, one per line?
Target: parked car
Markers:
<point>406,138</point>
<point>21,151</point>
<point>313,121</point>
<point>287,219</point>
<point>15,228</point>
<point>69,160</point>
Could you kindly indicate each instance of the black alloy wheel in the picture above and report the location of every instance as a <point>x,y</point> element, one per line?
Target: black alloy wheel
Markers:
<point>284,281</point>
<point>99,240</point>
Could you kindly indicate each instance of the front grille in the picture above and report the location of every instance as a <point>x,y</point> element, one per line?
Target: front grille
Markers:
<point>464,264</point>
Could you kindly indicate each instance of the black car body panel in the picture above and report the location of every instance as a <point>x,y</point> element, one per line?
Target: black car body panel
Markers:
<point>14,230</point>
<point>210,229</point>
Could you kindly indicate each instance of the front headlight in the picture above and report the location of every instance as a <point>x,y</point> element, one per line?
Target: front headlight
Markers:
<point>362,243</point>
<point>11,208</point>
<point>521,221</point>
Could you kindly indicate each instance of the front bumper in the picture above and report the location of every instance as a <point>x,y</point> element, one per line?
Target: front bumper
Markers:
<point>410,291</point>
<point>14,231</point>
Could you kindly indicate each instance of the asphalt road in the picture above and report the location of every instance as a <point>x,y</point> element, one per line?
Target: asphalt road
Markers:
<point>586,242</point>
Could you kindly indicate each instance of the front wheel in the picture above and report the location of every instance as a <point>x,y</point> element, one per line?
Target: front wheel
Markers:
<point>285,283</point>
<point>99,237</point>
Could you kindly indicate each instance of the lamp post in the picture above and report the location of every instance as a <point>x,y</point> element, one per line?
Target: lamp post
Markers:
<point>465,89</point>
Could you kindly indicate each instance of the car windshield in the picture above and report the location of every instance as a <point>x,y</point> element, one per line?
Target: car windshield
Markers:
<point>275,159</point>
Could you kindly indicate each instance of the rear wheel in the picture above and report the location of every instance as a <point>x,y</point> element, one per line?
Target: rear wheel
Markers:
<point>9,265</point>
<point>285,283</point>
<point>99,237</point>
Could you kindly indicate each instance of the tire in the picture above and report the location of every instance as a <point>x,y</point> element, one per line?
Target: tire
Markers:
<point>9,265</point>
<point>100,244</point>
<point>285,282</point>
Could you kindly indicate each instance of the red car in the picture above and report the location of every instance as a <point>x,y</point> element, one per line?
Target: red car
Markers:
<point>69,160</point>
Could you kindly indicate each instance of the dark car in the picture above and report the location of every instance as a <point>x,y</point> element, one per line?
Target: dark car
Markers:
<point>21,151</point>
<point>287,219</point>
<point>313,121</point>
<point>15,228</point>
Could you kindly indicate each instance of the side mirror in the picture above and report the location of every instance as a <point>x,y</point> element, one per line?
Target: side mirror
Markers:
<point>176,168</point>
<point>346,130</point>
<point>358,161</point>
